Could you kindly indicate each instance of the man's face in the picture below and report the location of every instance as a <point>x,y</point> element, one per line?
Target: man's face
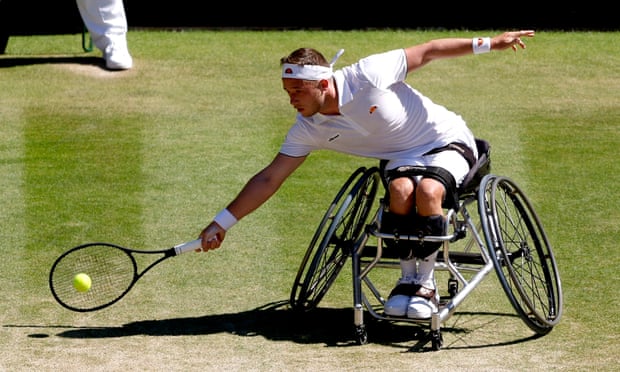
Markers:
<point>306,96</point>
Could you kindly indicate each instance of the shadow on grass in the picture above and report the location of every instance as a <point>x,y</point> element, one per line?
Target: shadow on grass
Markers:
<point>42,60</point>
<point>276,321</point>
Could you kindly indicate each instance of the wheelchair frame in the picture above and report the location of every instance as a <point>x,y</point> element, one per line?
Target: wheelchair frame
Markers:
<point>508,239</point>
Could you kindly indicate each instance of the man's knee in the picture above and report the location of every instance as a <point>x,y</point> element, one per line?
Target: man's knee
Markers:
<point>402,197</point>
<point>430,191</point>
<point>442,184</point>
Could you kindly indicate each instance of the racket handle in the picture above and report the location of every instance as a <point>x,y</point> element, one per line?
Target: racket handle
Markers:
<point>188,247</point>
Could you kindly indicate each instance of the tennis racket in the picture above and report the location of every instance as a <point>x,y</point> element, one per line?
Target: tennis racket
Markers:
<point>113,271</point>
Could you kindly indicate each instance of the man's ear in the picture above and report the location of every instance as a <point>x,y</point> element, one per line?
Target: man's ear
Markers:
<point>324,83</point>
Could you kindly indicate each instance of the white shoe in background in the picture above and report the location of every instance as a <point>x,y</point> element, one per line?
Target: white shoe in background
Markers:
<point>117,57</point>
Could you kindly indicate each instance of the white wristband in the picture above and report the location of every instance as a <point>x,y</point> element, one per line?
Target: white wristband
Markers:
<point>481,45</point>
<point>225,219</point>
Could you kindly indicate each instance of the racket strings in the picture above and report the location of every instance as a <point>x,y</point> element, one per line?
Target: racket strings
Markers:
<point>111,269</point>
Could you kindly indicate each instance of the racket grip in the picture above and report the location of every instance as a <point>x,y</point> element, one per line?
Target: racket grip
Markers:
<point>188,247</point>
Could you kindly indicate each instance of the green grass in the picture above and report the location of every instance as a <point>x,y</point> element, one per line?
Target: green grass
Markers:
<point>145,158</point>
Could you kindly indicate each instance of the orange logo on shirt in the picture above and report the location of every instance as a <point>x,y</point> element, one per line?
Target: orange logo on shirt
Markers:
<point>372,109</point>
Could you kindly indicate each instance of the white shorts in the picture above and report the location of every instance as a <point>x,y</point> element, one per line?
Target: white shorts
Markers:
<point>449,160</point>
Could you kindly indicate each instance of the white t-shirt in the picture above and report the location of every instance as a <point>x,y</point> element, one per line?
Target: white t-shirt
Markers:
<point>381,116</point>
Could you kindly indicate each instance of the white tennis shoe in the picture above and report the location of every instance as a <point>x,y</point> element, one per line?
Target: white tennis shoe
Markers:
<point>421,306</point>
<point>411,300</point>
<point>398,300</point>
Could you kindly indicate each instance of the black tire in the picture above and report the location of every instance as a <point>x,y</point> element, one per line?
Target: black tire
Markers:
<point>521,253</point>
<point>333,241</point>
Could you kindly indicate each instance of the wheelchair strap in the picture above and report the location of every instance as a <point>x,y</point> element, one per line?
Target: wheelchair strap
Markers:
<point>436,173</point>
<point>461,148</point>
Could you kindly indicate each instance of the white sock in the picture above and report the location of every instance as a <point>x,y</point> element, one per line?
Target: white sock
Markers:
<point>426,271</point>
<point>408,268</point>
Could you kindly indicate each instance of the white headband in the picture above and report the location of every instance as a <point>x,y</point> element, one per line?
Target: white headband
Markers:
<point>310,72</point>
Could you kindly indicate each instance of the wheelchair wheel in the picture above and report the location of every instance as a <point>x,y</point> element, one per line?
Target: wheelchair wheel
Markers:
<point>521,253</point>
<point>331,245</point>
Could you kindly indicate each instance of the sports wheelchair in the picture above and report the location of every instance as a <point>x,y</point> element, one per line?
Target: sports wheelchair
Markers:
<point>507,238</point>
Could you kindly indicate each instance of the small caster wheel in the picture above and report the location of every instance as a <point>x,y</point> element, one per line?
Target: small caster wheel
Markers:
<point>436,340</point>
<point>453,287</point>
<point>361,334</point>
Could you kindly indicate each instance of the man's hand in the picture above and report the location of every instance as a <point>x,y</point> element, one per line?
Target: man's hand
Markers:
<point>212,237</point>
<point>510,39</point>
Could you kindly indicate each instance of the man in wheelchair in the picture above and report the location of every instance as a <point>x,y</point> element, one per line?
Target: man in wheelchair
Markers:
<point>367,109</point>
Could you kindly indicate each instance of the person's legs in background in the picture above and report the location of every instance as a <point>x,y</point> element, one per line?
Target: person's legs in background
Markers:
<point>107,24</point>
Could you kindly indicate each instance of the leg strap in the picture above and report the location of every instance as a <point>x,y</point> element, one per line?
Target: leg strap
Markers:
<point>405,289</point>
<point>436,173</point>
<point>416,226</point>
<point>411,290</point>
<point>429,226</point>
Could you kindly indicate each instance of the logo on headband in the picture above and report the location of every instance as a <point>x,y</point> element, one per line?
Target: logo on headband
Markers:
<point>288,70</point>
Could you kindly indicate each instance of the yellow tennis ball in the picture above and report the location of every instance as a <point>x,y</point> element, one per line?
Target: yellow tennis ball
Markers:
<point>82,282</point>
